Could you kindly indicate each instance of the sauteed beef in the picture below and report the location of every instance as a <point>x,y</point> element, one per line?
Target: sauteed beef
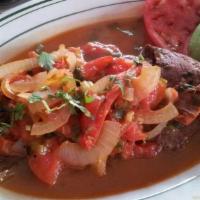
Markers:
<point>183,73</point>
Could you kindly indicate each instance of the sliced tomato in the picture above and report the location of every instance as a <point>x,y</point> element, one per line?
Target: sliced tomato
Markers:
<point>46,167</point>
<point>170,23</point>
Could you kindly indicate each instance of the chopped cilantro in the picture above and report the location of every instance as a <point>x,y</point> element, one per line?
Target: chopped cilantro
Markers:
<point>4,127</point>
<point>73,102</point>
<point>118,82</point>
<point>45,60</point>
<point>18,112</point>
<point>138,59</point>
<point>87,98</point>
<point>34,98</point>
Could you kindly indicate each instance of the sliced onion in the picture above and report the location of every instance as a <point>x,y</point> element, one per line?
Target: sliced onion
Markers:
<point>34,84</point>
<point>100,85</point>
<point>129,94</point>
<point>17,66</point>
<point>156,131</point>
<point>146,82</point>
<point>74,155</point>
<point>5,87</point>
<point>68,55</point>
<point>165,114</point>
<point>55,120</point>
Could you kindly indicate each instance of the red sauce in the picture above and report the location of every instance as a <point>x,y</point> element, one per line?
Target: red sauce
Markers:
<point>122,175</point>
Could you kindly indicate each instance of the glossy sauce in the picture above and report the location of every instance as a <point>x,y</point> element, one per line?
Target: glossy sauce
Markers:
<point>122,175</point>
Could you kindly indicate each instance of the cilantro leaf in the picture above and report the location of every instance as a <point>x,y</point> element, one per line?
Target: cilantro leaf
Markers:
<point>118,82</point>
<point>45,60</point>
<point>138,59</point>
<point>34,98</point>
<point>4,127</point>
<point>69,99</point>
<point>18,112</point>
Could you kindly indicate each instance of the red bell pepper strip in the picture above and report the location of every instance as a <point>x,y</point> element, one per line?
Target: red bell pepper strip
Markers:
<point>119,65</point>
<point>93,107</point>
<point>92,132</point>
<point>93,68</point>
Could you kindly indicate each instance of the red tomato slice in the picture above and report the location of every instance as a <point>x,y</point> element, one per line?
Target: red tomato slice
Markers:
<point>46,167</point>
<point>170,23</point>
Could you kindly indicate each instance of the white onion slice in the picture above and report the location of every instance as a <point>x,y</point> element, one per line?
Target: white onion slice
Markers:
<point>17,66</point>
<point>55,121</point>
<point>165,114</point>
<point>35,83</point>
<point>146,82</point>
<point>100,85</point>
<point>74,155</point>
<point>156,131</point>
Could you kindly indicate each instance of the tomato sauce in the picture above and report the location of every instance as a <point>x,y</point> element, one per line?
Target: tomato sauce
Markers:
<point>122,175</point>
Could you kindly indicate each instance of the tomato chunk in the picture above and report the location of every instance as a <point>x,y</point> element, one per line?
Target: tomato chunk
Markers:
<point>170,23</point>
<point>45,167</point>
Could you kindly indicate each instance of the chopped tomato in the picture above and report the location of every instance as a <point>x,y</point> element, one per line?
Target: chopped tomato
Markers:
<point>5,146</point>
<point>93,129</point>
<point>119,65</point>
<point>21,130</point>
<point>170,23</point>
<point>94,68</point>
<point>46,167</point>
<point>133,133</point>
<point>60,64</point>
<point>127,150</point>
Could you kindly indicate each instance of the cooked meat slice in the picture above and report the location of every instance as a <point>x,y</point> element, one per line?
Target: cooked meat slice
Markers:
<point>176,67</point>
<point>175,135</point>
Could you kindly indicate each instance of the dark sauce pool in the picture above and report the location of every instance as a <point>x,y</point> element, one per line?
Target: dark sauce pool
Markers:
<point>122,175</point>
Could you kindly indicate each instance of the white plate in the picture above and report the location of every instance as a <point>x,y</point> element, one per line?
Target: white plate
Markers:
<point>36,20</point>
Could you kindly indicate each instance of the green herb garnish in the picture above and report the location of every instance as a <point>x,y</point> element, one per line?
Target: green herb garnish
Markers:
<point>18,112</point>
<point>73,102</point>
<point>118,82</point>
<point>46,60</point>
<point>4,127</point>
<point>139,59</point>
<point>34,98</point>
<point>87,98</point>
